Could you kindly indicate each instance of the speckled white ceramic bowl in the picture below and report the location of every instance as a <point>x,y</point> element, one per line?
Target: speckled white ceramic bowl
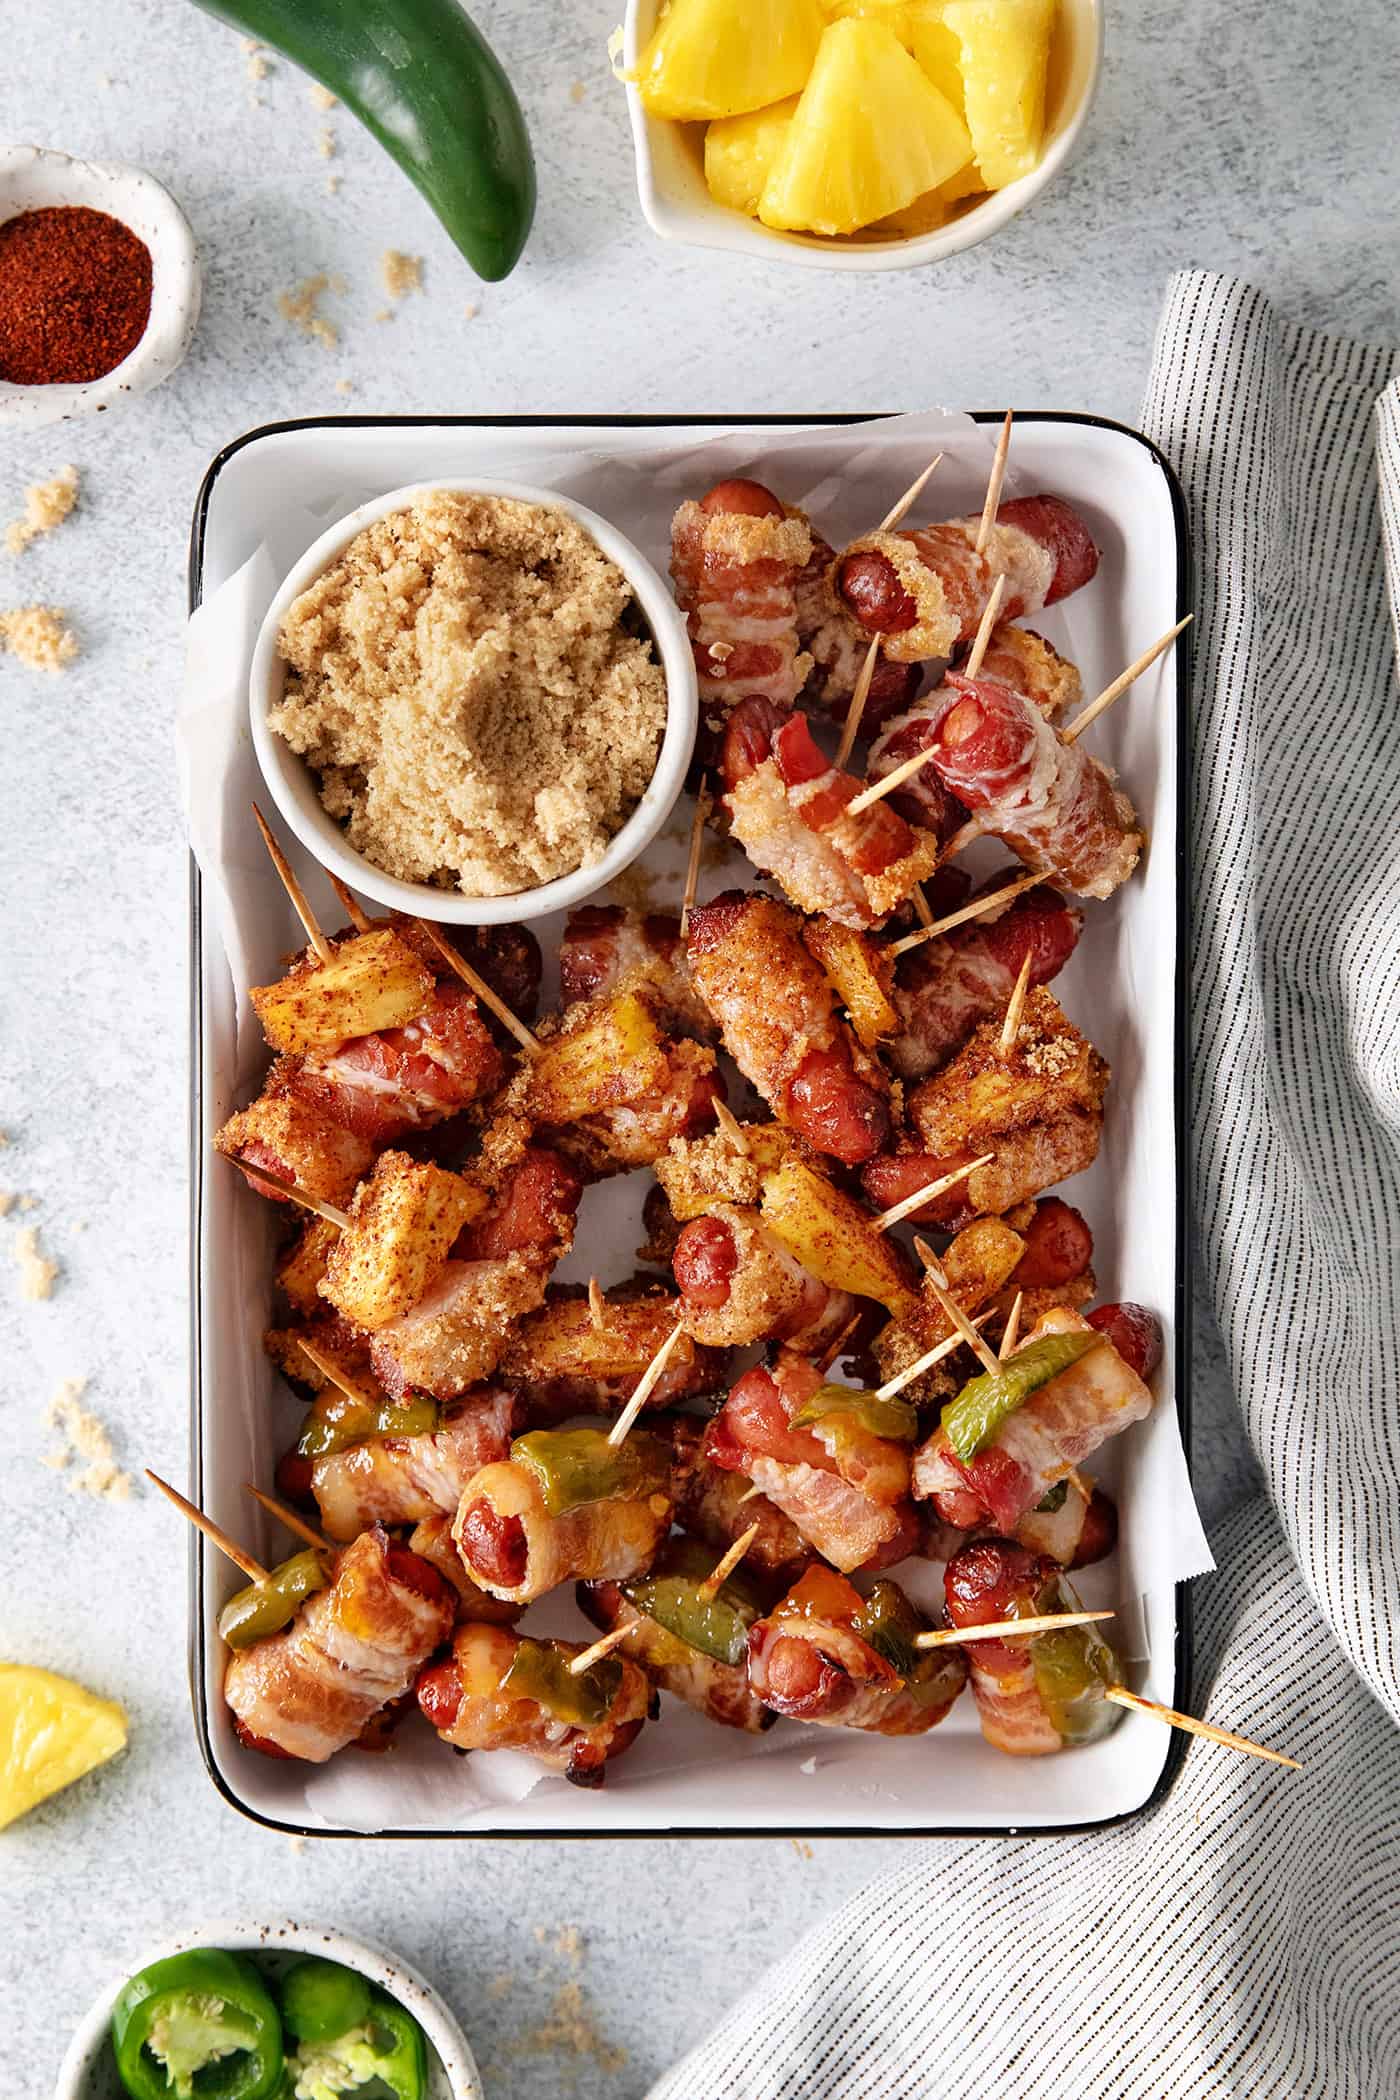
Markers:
<point>678,206</point>
<point>89,2072</point>
<point>32,178</point>
<point>293,786</point>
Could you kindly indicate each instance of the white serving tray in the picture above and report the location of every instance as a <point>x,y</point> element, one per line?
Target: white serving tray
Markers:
<point>1124,986</point>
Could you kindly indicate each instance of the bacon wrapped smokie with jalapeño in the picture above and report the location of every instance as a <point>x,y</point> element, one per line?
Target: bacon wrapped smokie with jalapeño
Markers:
<point>828,1655</point>
<point>498,1690</point>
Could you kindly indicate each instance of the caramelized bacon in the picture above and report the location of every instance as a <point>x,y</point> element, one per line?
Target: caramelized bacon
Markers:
<point>465,1698</point>
<point>404,1479</point>
<point>606,949</point>
<point>808,1661</point>
<point>735,560</point>
<point>943,990</point>
<point>738,1285</point>
<point>716,1505</point>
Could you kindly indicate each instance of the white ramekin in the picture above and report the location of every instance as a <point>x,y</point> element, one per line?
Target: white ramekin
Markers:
<point>88,2071</point>
<point>34,179</point>
<point>292,783</point>
<point>677,205</point>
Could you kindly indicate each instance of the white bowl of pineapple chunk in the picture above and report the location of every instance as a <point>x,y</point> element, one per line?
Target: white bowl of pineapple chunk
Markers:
<point>853,134</point>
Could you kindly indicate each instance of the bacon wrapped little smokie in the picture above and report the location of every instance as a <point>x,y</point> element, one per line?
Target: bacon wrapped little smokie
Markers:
<point>718,1506</point>
<point>402,1479</point>
<point>789,808</point>
<point>777,1015</point>
<point>497,1272</point>
<point>352,1649</point>
<point>497,1690</point>
<point>431,1540</point>
<point>567,1505</point>
<point>830,1656</point>
<point>948,986</point>
<point>567,1363</point>
<point>1042,1693</point>
<point>924,591</point>
<point>690,1643</point>
<point>1004,1444</point>
<point>837,648</point>
<point>832,1459</point>
<point>738,1285</point>
<point>605,949</point>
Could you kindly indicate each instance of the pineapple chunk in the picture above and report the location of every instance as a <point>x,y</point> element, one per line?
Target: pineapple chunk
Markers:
<point>740,151</point>
<point>300,1270</point>
<point>830,1234</point>
<point>709,58</point>
<point>1005,53</point>
<point>924,215</point>
<point>403,1221</point>
<point>374,981</point>
<point>604,1056</point>
<point>870,135</point>
<point>52,1731</point>
<point>855,966</point>
<point>921,26</point>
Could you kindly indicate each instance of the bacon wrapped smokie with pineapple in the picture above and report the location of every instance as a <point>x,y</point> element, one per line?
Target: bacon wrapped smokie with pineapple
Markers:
<point>498,1690</point>
<point>566,1506</point>
<point>923,591</point>
<point>777,1015</point>
<point>1044,1692</point>
<point>351,1649</point>
<point>691,1641</point>
<point>606,949</point>
<point>828,1655</point>
<point>568,1362</point>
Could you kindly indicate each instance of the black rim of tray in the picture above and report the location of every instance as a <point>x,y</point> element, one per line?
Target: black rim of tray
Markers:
<point>1182,1647</point>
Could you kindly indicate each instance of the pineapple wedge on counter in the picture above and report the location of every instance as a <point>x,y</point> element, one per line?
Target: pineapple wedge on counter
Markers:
<point>710,58</point>
<point>870,133</point>
<point>52,1731</point>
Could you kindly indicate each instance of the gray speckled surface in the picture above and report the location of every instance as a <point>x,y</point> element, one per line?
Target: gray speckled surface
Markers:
<point>1238,135</point>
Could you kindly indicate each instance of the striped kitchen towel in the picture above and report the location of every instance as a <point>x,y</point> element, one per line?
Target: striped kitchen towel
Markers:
<point>1244,1937</point>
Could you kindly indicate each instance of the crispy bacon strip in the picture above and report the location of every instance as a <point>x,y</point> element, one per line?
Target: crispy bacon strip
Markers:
<point>993,1580</point>
<point>789,811</point>
<point>945,989</point>
<point>350,1651</point>
<point>606,949</point>
<point>738,1285</point>
<point>924,591</point>
<point>838,648</point>
<point>565,1363</point>
<point>465,1699</point>
<point>514,1547</point>
<point>404,1479</point>
<point>735,560</point>
<point>777,1015</point>
<point>715,1505</point>
<point>432,1541</point>
<point>718,1690</point>
<point>807,1661</point>
<point>1056,1430</point>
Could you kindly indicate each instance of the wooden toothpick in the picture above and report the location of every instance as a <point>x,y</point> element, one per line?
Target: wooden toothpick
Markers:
<point>984,630</point>
<point>646,1386</point>
<point>731,1127</point>
<point>585,1661</point>
<point>897,1212</point>
<point>887,784</point>
<point>1007,1629</point>
<point>923,910</point>
<point>341,1380</point>
<point>985,1356</point>
<point>294,890</point>
<point>851,728</point>
<point>911,495</point>
<point>350,904</point>
<point>975,910</point>
<point>253,1569</point>
<point>296,1524</point>
<point>314,1204</point>
<point>1006,1041</point>
<point>1121,683</point>
<point>993,498</point>
<point>833,1349</point>
<point>697,836</point>
<point>714,1582</point>
<point>1012,1333</point>
<point>475,982</point>
<point>923,1363</point>
<point>1138,1705</point>
<point>597,1305</point>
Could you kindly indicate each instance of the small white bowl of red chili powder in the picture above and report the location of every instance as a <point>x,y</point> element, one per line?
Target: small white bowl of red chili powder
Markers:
<point>99,284</point>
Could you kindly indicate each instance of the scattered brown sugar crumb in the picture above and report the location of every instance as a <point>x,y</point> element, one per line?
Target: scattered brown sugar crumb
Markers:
<point>470,310</point>
<point>332,185</point>
<point>257,63</point>
<point>46,504</point>
<point>325,142</point>
<point>6,1202</point>
<point>569,2029</point>
<point>37,1274</point>
<point>385,313</point>
<point>802,1848</point>
<point>302,307</point>
<point>471,683</point>
<point>84,1439</point>
<point>577,91</point>
<point>36,634</point>
<point>402,273</point>
<point>345,386</point>
<point>322,96</point>
<point>500,1986</point>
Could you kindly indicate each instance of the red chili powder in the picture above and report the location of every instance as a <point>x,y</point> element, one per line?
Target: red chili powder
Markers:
<point>75,295</point>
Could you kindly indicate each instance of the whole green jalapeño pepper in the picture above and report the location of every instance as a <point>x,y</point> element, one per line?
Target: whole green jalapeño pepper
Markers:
<point>204,2013</point>
<point>540,1671</point>
<point>423,80</point>
<point>574,1466</point>
<point>673,1595</point>
<point>335,1421</point>
<point>973,1419</point>
<point>385,2049</point>
<point>266,1607</point>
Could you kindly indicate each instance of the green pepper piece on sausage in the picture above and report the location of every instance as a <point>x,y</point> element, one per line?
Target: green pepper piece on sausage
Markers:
<point>540,1671</point>
<point>890,1623</point>
<point>972,1420</point>
<point>892,1418</point>
<point>335,1421</point>
<point>266,1607</point>
<point>574,1466</point>
<point>421,77</point>
<point>203,2013</point>
<point>672,1595</point>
